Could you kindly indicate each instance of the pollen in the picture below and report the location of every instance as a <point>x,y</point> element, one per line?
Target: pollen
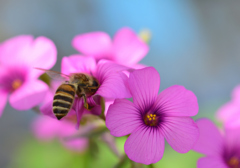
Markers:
<point>234,162</point>
<point>151,119</point>
<point>16,84</point>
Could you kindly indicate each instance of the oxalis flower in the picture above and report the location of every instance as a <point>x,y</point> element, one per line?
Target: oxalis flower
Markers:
<point>229,113</point>
<point>221,150</point>
<point>18,78</point>
<point>152,117</point>
<point>126,48</point>
<point>112,83</point>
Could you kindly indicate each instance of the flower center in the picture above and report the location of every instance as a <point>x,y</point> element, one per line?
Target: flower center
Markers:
<point>234,162</point>
<point>151,119</point>
<point>16,84</point>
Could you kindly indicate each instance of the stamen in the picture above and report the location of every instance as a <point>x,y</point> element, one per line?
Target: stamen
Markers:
<point>151,119</point>
<point>16,84</point>
<point>234,162</point>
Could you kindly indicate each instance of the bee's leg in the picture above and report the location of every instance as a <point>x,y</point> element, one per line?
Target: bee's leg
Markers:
<point>93,87</point>
<point>85,101</point>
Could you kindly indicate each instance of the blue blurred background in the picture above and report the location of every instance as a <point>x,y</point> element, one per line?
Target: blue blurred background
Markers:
<point>194,43</point>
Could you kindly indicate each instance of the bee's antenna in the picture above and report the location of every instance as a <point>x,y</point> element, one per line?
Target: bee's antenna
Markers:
<point>39,69</point>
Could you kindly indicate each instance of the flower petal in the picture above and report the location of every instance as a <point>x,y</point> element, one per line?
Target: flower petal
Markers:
<point>3,98</point>
<point>25,50</point>
<point>232,138</point>
<point>112,81</point>
<point>30,94</point>
<point>78,64</point>
<point>106,68</point>
<point>79,108</point>
<point>228,111</point>
<point>210,162</point>
<point>96,44</point>
<point>236,94</point>
<point>45,128</point>
<point>43,54</point>
<point>128,48</point>
<point>139,66</point>
<point>145,145</point>
<point>114,86</point>
<point>210,141</point>
<point>79,144</point>
<point>180,132</point>
<point>233,121</point>
<point>144,85</point>
<point>108,102</point>
<point>47,109</point>
<point>122,118</point>
<point>14,50</point>
<point>177,101</point>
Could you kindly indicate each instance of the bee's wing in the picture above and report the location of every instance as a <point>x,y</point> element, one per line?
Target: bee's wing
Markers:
<point>55,75</point>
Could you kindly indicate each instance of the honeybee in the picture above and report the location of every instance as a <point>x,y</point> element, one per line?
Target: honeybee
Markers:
<point>76,84</point>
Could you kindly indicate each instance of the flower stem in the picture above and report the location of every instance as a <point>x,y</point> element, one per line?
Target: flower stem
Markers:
<point>102,115</point>
<point>110,142</point>
<point>36,109</point>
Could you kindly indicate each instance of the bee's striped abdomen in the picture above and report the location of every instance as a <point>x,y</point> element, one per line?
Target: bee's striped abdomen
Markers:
<point>63,100</point>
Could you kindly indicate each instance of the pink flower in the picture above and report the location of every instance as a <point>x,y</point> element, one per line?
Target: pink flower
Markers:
<point>222,151</point>
<point>230,112</point>
<point>126,48</point>
<point>18,78</point>
<point>111,79</point>
<point>46,129</point>
<point>152,117</point>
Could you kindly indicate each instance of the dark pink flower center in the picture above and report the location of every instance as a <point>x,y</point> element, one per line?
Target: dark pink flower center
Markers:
<point>234,162</point>
<point>232,156</point>
<point>12,79</point>
<point>151,119</point>
<point>16,84</point>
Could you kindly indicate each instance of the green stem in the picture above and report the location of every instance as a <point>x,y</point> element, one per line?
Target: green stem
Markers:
<point>102,115</point>
<point>36,109</point>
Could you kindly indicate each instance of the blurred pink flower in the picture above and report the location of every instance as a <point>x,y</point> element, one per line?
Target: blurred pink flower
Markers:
<point>230,112</point>
<point>152,117</point>
<point>222,151</point>
<point>126,48</point>
<point>18,78</point>
<point>112,83</point>
<point>46,129</point>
